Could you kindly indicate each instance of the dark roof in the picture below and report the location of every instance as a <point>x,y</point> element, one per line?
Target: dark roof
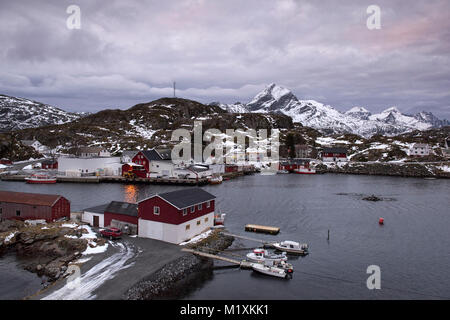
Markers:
<point>97,209</point>
<point>165,154</point>
<point>155,154</point>
<point>334,150</point>
<point>129,209</point>
<point>36,199</point>
<point>49,161</point>
<point>184,198</point>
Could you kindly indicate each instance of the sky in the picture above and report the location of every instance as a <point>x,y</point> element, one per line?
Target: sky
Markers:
<point>131,51</point>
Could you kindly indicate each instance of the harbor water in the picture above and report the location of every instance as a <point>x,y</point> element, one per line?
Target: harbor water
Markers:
<point>411,248</point>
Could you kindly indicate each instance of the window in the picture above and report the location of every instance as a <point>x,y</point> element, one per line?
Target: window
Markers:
<point>184,212</point>
<point>198,222</point>
<point>193,209</point>
<point>208,204</point>
<point>188,227</point>
<point>156,210</point>
<point>200,206</point>
<point>18,213</point>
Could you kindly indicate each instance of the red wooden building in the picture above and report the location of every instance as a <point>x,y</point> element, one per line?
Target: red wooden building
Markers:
<point>121,211</point>
<point>5,161</point>
<point>140,165</point>
<point>336,154</point>
<point>50,164</point>
<point>176,216</point>
<point>26,206</point>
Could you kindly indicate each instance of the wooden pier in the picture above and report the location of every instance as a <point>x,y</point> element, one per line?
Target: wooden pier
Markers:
<point>262,229</point>
<point>244,264</point>
<point>265,244</point>
<point>116,179</point>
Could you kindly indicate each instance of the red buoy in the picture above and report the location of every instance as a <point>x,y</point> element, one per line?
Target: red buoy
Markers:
<point>381,221</point>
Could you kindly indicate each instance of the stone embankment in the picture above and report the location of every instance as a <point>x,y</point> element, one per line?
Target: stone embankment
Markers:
<point>172,280</point>
<point>419,170</point>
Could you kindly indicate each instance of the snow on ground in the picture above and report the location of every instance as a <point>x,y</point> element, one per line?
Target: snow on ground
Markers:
<point>90,236</point>
<point>444,168</point>
<point>28,167</point>
<point>10,236</point>
<point>330,141</point>
<point>198,238</point>
<point>83,287</point>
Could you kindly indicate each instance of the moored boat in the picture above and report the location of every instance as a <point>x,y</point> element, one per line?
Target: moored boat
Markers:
<point>305,170</point>
<point>215,180</point>
<point>262,255</point>
<point>40,178</point>
<point>219,219</point>
<point>291,247</point>
<point>271,270</point>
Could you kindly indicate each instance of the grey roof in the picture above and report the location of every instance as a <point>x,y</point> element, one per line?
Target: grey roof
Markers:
<point>157,154</point>
<point>184,198</point>
<point>130,153</point>
<point>335,150</point>
<point>27,142</point>
<point>97,209</point>
<point>129,209</point>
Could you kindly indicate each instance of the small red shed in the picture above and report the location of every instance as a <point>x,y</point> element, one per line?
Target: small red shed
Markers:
<point>50,164</point>
<point>25,206</point>
<point>121,211</point>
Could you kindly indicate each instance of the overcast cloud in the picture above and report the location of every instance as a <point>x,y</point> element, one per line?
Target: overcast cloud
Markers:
<point>128,52</point>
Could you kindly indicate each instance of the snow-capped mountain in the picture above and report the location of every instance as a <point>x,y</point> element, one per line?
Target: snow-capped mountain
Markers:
<point>314,114</point>
<point>19,113</point>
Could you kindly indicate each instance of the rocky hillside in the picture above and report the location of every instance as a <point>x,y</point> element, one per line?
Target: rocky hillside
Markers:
<point>325,118</point>
<point>19,113</point>
<point>146,125</point>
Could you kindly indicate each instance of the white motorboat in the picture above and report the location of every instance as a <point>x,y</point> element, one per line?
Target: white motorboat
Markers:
<point>261,255</point>
<point>305,170</point>
<point>291,247</point>
<point>272,270</point>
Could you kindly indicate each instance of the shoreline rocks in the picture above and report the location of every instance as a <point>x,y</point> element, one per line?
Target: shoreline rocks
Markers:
<point>46,252</point>
<point>174,279</point>
<point>386,169</point>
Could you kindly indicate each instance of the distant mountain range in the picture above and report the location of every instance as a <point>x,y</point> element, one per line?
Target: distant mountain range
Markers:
<point>19,113</point>
<point>357,120</point>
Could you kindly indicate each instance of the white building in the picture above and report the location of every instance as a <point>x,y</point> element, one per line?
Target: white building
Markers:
<point>419,150</point>
<point>100,166</point>
<point>39,147</point>
<point>95,216</point>
<point>176,216</point>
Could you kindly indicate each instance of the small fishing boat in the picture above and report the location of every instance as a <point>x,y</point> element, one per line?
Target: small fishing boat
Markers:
<point>219,219</point>
<point>39,178</point>
<point>305,170</point>
<point>291,247</point>
<point>215,180</point>
<point>271,270</point>
<point>261,255</point>
<point>283,171</point>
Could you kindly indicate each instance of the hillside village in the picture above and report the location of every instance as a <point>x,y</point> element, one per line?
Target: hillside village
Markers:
<point>112,135</point>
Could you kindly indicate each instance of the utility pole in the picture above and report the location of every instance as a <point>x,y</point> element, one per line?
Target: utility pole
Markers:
<point>174,89</point>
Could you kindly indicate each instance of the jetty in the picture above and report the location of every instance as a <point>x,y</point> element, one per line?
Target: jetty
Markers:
<point>243,264</point>
<point>115,179</point>
<point>265,244</point>
<point>262,229</point>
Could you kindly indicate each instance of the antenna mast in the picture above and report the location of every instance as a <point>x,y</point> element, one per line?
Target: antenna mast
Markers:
<point>174,89</point>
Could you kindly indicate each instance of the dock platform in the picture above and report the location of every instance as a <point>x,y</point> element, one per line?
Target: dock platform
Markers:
<point>261,229</point>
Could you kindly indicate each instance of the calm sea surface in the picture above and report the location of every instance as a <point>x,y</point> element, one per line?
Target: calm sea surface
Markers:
<point>412,248</point>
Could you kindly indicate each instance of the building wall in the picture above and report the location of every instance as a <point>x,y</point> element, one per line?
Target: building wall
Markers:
<point>334,157</point>
<point>111,165</point>
<point>108,216</point>
<point>419,151</point>
<point>9,211</point>
<point>169,213</point>
<point>88,217</point>
<point>175,233</point>
<point>139,158</point>
<point>61,209</point>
